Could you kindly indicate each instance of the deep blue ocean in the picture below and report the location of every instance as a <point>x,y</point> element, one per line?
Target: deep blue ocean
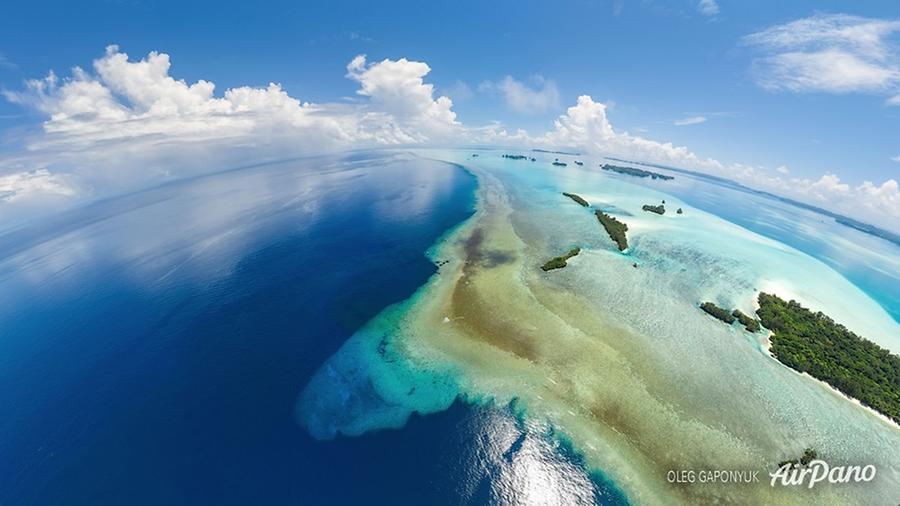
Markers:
<point>153,345</point>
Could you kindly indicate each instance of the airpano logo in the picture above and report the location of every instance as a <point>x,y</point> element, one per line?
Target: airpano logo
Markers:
<point>818,471</point>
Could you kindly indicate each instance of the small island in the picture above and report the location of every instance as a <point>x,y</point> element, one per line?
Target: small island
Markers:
<point>808,456</point>
<point>515,157</point>
<point>578,163</point>
<point>815,344</point>
<point>749,323</point>
<point>576,198</point>
<point>615,228</point>
<point>560,261</point>
<point>660,209</point>
<point>717,312</point>
<point>559,163</point>
<point>631,171</point>
<point>679,211</point>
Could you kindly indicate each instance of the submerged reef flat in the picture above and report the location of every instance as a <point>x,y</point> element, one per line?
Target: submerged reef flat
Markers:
<point>638,393</point>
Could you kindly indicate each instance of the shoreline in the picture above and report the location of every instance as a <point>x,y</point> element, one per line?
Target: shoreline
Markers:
<point>767,346</point>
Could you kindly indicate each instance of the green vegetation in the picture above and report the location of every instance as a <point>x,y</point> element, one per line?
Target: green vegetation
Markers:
<point>631,171</point>
<point>576,198</point>
<point>808,456</point>
<point>660,209</point>
<point>813,343</point>
<point>560,262</point>
<point>615,228</point>
<point>516,157</point>
<point>749,323</point>
<point>559,163</point>
<point>679,211</point>
<point>717,312</point>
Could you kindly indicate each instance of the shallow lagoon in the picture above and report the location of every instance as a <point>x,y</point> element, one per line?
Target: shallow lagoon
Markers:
<point>619,358</point>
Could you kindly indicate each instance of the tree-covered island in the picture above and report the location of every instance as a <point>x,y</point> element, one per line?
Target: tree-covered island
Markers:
<point>717,312</point>
<point>615,228</point>
<point>660,209</point>
<point>559,163</point>
<point>749,323</point>
<point>815,344</point>
<point>560,261</point>
<point>576,198</point>
<point>515,157</point>
<point>631,171</point>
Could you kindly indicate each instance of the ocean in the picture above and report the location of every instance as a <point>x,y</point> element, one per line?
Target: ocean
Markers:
<point>154,344</point>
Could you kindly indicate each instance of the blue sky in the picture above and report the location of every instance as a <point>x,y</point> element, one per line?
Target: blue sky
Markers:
<point>685,72</point>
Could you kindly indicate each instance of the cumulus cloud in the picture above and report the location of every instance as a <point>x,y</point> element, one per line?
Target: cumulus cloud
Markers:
<point>708,7</point>
<point>398,89</point>
<point>585,127</point>
<point>127,123</point>
<point>832,53</point>
<point>895,100</point>
<point>543,96</point>
<point>690,120</point>
<point>782,169</point>
<point>896,158</point>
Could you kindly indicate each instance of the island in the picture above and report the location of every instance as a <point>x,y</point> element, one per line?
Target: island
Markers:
<point>615,228</point>
<point>815,344</point>
<point>808,456</point>
<point>749,323</point>
<point>679,211</point>
<point>717,312</point>
<point>578,163</point>
<point>560,261</point>
<point>576,198</point>
<point>536,150</point>
<point>559,163</point>
<point>515,157</point>
<point>631,171</point>
<point>660,209</point>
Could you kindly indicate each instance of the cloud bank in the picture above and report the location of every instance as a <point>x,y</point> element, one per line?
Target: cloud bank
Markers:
<point>128,123</point>
<point>830,53</point>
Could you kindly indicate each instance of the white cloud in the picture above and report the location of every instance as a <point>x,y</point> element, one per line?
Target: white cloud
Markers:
<point>896,158</point>
<point>398,89</point>
<point>832,53</point>
<point>524,99</point>
<point>895,100</point>
<point>26,184</point>
<point>782,169</point>
<point>691,120</point>
<point>708,7</point>
<point>130,123</point>
<point>585,127</point>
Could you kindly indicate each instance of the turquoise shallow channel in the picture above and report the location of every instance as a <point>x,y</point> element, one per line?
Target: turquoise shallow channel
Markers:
<point>610,356</point>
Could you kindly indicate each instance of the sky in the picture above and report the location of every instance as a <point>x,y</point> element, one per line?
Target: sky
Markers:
<point>799,98</point>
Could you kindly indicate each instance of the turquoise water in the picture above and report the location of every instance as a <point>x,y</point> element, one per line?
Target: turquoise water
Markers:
<point>154,344</point>
<point>726,247</point>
